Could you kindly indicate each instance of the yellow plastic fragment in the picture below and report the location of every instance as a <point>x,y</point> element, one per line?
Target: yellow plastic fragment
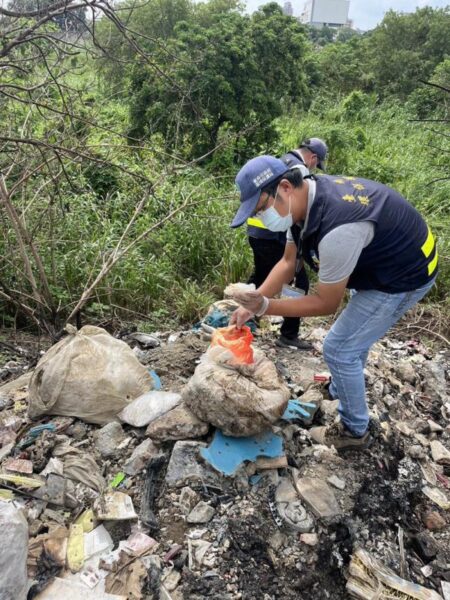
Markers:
<point>75,548</point>
<point>86,520</point>
<point>26,482</point>
<point>6,495</point>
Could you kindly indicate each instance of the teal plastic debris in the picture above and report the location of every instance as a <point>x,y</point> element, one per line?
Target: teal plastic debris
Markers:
<point>226,453</point>
<point>34,433</point>
<point>217,319</point>
<point>157,385</point>
<point>302,411</point>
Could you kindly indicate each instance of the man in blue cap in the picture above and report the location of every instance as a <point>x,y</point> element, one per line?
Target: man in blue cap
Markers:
<point>357,234</point>
<point>268,246</point>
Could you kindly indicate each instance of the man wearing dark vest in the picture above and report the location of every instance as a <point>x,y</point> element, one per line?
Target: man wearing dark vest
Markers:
<point>356,234</point>
<point>268,246</point>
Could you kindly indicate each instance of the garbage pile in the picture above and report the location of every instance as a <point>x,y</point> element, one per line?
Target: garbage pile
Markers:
<point>160,467</point>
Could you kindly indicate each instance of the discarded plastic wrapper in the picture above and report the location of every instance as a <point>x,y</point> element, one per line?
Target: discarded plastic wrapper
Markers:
<point>369,579</point>
<point>97,541</point>
<point>139,543</point>
<point>238,341</point>
<point>65,589</point>
<point>114,506</point>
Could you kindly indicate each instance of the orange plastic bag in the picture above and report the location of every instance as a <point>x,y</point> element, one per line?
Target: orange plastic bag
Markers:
<point>238,341</point>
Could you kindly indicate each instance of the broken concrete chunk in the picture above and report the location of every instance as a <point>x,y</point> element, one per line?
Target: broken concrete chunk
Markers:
<point>310,539</point>
<point>140,457</point>
<point>318,496</point>
<point>148,407</point>
<point>434,383</point>
<point>201,513</point>
<point>291,509</point>
<point>186,466</point>
<point>434,427</point>
<point>180,423</point>
<point>108,438</point>
<point>336,482</point>
<point>406,372</point>
<point>445,589</point>
<point>312,395</point>
<point>439,453</point>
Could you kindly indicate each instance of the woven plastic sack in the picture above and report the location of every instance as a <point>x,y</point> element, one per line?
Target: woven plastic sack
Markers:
<point>13,553</point>
<point>238,341</point>
<point>239,400</point>
<point>89,375</point>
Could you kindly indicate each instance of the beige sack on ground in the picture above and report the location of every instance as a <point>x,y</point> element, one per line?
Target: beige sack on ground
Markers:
<point>240,401</point>
<point>90,375</point>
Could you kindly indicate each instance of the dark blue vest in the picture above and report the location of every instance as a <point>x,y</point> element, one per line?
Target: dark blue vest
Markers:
<point>402,255</point>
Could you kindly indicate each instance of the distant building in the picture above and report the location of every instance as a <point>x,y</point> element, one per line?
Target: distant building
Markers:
<point>333,13</point>
<point>287,9</point>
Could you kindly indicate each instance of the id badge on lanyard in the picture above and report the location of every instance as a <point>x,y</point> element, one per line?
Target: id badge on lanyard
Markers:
<point>290,291</point>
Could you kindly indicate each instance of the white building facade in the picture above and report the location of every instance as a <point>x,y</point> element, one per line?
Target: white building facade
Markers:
<point>318,13</point>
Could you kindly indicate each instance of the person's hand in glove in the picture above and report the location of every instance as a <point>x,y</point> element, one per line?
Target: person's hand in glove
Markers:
<point>240,317</point>
<point>253,302</point>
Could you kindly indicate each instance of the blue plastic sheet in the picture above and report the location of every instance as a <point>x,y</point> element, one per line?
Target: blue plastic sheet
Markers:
<point>299,410</point>
<point>157,385</point>
<point>227,453</point>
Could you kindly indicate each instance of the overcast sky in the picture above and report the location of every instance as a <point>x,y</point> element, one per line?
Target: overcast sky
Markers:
<point>365,13</point>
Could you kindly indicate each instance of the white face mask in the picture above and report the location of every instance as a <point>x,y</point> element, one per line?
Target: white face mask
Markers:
<point>274,221</point>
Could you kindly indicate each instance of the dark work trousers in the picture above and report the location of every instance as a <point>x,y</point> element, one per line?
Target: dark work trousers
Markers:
<point>266,254</point>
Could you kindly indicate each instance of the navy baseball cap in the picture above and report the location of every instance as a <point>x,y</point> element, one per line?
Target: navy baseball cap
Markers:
<point>317,147</point>
<point>255,175</point>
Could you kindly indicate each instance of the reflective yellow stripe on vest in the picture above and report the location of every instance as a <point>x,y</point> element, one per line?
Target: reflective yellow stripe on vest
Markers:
<point>254,222</point>
<point>427,248</point>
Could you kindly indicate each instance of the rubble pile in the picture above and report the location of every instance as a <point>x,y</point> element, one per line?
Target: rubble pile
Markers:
<point>159,504</point>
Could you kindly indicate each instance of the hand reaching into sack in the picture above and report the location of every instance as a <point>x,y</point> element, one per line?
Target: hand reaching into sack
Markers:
<point>253,302</point>
<point>240,317</point>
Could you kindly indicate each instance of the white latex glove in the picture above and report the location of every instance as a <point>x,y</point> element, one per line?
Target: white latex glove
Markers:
<point>254,302</point>
<point>240,317</point>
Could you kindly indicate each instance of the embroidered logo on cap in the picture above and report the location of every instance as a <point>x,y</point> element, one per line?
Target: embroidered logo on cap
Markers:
<point>262,177</point>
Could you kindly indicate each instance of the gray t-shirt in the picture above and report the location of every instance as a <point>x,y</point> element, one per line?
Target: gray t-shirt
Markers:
<point>340,249</point>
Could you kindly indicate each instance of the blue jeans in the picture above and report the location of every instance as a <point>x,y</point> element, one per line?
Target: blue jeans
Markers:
<point>366,318</point>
